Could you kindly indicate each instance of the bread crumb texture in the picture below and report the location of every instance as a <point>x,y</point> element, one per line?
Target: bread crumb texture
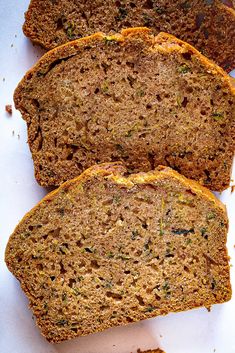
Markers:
<point>132,97</point>
<point>209,25</point>
<point>105,250</point>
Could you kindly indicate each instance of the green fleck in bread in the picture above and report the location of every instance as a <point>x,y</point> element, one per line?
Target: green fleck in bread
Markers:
<point>105,250</point>
<point>209,25</point>
<point>132,97</point>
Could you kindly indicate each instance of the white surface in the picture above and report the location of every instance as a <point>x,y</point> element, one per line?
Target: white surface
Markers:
<point>197,331</point>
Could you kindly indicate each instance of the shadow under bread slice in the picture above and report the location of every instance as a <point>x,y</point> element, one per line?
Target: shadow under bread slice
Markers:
<point>105,250</point>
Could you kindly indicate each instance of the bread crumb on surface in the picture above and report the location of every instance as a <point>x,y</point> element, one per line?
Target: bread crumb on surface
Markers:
<point>232,188</point>
<point>8,109</point>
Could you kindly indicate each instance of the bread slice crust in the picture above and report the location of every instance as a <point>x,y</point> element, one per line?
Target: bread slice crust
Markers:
<point>105,249</point>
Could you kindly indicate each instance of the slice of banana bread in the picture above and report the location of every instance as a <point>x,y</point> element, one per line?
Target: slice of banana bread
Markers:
<point>208,25</point>
<point>106,250</point>
<point>133,97</point>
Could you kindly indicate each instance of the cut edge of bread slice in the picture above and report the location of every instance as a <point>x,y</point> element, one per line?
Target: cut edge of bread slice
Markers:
<point>73,47</point>
<point>162,42</point>
<point>115,172</point>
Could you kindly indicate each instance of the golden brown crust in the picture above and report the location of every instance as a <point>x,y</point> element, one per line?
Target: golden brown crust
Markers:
<point>232,80</point>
